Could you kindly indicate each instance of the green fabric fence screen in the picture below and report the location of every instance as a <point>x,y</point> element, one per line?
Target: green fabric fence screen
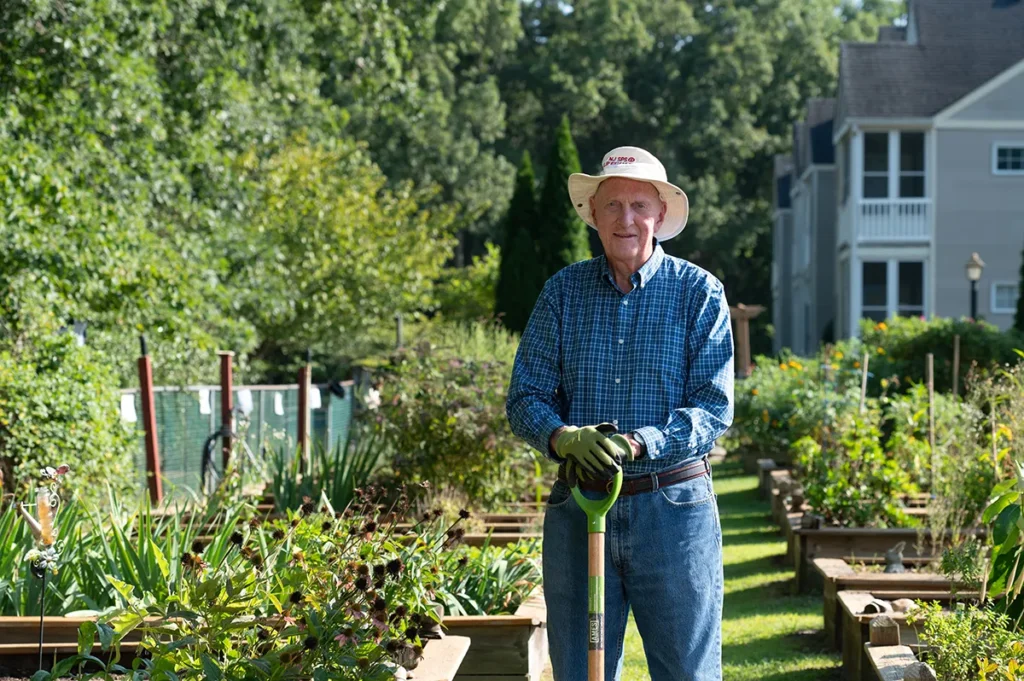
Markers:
<point>185,417</point>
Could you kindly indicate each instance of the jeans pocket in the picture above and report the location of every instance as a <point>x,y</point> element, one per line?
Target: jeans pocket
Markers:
<point>695,492</point>
<point>559,495</point>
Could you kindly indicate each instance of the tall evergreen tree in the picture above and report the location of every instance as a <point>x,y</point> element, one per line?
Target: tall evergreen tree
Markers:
<point>520,276</point>
<point>1018,319</point>
<point>563,236</point>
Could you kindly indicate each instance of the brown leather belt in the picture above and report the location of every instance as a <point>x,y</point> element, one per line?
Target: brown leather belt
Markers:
<point>647,483</point>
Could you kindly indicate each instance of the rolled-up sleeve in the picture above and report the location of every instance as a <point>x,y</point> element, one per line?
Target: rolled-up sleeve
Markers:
<point>692,429</point>
<point>532,406</point>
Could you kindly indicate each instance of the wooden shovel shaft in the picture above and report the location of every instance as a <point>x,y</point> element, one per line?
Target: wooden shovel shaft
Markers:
<point>595,630</point>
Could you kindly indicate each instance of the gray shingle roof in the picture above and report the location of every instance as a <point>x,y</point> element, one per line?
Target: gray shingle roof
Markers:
<point>961,45</point>
<point>891,33</point>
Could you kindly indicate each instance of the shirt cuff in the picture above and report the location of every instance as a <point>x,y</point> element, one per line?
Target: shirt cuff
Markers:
<point>547,427</point>
<point>652,439</point>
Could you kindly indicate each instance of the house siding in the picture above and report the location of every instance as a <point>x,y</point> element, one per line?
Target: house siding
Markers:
<point>975,210</point>
<point>782,311</point>
<point>823,226</point>
<point>1004,103</point>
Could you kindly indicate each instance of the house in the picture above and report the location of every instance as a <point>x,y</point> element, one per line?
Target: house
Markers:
<point>928,135</point>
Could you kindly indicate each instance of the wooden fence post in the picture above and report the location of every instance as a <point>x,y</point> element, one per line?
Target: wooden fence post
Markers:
<point>864,382</point>
<point>956,365</point>
<point>304,382</point>
<point>153,481</point>
<point>226,405</point>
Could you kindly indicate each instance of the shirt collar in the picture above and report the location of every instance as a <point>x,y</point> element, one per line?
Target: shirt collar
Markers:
<point>646,272</point>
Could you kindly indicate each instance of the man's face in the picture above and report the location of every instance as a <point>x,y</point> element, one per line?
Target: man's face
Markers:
<point>627,213</point>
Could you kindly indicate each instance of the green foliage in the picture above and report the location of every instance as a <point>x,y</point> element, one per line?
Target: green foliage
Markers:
<point>443,409</point>
<point>1018,317</point>
<point>467,294</point>
<point>562,238</point>
<point>60,401</point>
<point>339,253</point>
<point>1004,517</point>
<point>320,595</point>
<point>851,481</point>
<point>960,642</point>
<point>490,580</point>
<point>335,473</point>
<point>521,276</point>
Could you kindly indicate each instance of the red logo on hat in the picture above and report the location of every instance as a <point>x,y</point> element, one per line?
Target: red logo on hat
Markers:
<point>618,160</point>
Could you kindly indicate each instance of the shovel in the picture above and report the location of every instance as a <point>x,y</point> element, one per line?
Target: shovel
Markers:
<point>596,509</point>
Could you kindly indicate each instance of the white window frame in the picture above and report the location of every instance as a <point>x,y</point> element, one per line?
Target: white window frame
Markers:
<point>892,273</point>
<point>992,297</point>
<point>996,146</point>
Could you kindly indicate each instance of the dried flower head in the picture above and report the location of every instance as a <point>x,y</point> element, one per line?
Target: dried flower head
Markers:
<point>236,538</point>
<point>395,566</point>
<point>464,514</point>
<point>378,571</point>
<point>295,597</point>
<point>278,535</point>
<point>380,604</point>
<point>255,523</point>
<point>362,583</point>
<point>363,569</point>
<point>326,526</point>
<point>197,546</point>
<point>310,643</point>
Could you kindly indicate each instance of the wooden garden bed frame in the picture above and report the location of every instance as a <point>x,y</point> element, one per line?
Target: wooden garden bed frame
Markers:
<point>838,575</point>
<point>505,647</point>
<point>886,663</point>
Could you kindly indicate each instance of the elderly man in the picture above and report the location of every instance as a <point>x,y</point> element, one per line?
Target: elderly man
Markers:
<point>640,340</point>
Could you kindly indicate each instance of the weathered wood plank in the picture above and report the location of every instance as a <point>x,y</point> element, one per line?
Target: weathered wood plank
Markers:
<point>888,662</point>
<point>442,659</point>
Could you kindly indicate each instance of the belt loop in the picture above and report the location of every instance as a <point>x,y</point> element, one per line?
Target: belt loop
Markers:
<point>654,482</point>
<point>707,465</point>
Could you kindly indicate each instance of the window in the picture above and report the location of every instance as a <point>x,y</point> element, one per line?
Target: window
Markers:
<point>912,165</point>
<point>1004,297</point>
<point>876,165</point>
<point>1008,159</point>
<point>892,287</point>
<point>911,293</point>
<point>874,292</point>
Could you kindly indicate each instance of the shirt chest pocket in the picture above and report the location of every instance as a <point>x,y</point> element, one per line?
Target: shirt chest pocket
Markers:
<point>661,352</point>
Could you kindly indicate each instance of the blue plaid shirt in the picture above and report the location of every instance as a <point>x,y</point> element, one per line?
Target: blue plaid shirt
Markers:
<point>657,361</point>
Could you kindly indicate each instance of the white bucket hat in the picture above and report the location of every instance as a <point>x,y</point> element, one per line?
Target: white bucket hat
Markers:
<point>632,163</point>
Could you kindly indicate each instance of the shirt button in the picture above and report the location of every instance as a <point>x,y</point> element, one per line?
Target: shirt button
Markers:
<point>621,341</point>
<point>625,302</point>
<point>615,422</point>
<point>618,380</point>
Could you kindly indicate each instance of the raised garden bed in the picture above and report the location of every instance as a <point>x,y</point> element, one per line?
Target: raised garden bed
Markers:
<point>19,652</point>
<point>838,575</point>
<point>855,633</point>
<point>854,543</point>
<point>504,647</point>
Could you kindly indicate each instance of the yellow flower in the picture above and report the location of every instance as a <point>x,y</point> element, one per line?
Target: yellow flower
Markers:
<point>783,367</point>
<point>764,416</point>
<point>880,326</point>
<point>881,350</point>
<point>795,364</point>
<point>834,367</point>
<point>1005,431</point>
<point>838,355</point>
<point>856,365</point>
<point>885,383</point>
<point>753,391</point>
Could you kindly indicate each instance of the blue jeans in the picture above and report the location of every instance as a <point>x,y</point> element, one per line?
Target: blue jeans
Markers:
<point>663,558</point>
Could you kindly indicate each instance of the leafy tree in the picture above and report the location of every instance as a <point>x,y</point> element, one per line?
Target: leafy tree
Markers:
<point>562,239</point>
<point>521,276</point>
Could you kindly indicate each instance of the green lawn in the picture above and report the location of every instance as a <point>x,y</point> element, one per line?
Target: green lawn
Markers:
<point>767,634</point>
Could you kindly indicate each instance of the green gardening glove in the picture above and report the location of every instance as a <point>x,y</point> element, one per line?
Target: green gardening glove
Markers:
<point>591,452</point>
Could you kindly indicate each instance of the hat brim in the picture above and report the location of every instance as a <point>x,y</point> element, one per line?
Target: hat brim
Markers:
<point>677,206</point>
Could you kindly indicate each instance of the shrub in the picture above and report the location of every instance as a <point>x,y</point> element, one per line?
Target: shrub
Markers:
<point>443,408</point>
<point>960,643</point>
<point>850,480</point>
<point>467,294</point>
<point>59,400</point>
<point>901,344</point>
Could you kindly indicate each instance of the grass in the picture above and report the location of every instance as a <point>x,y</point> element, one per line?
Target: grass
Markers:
<point>767,634</point>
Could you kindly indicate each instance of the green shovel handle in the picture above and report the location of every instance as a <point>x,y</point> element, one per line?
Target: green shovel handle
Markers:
<point>596,509</point>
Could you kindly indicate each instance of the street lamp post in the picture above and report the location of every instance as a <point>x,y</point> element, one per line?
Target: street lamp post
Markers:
<point>974,267</point>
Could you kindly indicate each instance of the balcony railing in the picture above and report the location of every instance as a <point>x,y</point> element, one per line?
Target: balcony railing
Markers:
<point>892,220</point>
